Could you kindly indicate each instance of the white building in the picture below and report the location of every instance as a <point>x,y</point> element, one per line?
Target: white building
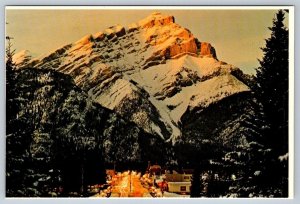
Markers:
<point>179,187</point>
<point>179,183</point>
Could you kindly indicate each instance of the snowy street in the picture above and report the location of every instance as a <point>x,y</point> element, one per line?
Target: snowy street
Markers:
<point>128,184</point>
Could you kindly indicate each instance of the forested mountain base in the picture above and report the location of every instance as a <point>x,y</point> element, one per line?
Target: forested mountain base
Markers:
<point>56,137</point>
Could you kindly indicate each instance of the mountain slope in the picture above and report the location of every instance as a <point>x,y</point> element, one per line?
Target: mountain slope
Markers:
<point>150,72</point>
<point>55,130</point>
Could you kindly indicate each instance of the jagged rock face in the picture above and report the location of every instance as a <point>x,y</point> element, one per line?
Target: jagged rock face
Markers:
<point>207,50</point>
<point>167,38</point>
<point>156,19</point>
<point>150,72</point>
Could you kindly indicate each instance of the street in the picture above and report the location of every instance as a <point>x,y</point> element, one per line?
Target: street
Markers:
<point>127,184</point>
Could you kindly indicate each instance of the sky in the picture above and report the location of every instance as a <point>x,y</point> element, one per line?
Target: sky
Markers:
<point>237,35</point>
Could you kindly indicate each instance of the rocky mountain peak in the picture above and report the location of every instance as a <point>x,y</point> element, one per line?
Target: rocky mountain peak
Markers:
<point>168,39</point>
<point>156,19</point>
<point>151,72</point>
<point>206,49</point>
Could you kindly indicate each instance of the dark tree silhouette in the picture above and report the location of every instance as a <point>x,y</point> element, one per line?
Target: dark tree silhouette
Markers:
<point>272,84</point>
<point>9,77</point>
<point>196,184</point>
<point>9,53</point>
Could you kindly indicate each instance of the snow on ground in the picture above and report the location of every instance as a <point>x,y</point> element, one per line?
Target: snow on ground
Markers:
<point>172,195</point>
<point>216,89</point>
<point>96,70</point>
<point>166,118</point>
<point>204,93</point>
<point>156,78</point>
<point>159,76</point>
<point>111,97</point>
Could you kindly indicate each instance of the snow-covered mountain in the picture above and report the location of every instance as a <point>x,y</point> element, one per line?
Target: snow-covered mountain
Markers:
<point>151,72</point>
<point>22,58</point>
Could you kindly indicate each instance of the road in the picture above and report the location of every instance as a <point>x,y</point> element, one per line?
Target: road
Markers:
<point>128,185</point>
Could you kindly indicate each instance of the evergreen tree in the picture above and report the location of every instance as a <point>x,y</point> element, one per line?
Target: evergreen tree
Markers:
<point>11,108</point>
<point>272,84</point>
<point>196,184</point>
<point>9,55</point>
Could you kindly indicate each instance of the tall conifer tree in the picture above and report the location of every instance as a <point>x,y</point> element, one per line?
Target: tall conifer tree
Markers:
<point>272,83</point>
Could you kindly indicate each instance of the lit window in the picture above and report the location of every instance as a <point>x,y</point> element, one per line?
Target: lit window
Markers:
<point>182,188</point>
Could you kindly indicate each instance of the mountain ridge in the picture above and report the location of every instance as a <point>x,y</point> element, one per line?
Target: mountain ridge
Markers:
<point>150,72</point>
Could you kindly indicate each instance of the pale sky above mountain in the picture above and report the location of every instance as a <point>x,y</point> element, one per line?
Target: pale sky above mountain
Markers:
<point>237,35</point>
